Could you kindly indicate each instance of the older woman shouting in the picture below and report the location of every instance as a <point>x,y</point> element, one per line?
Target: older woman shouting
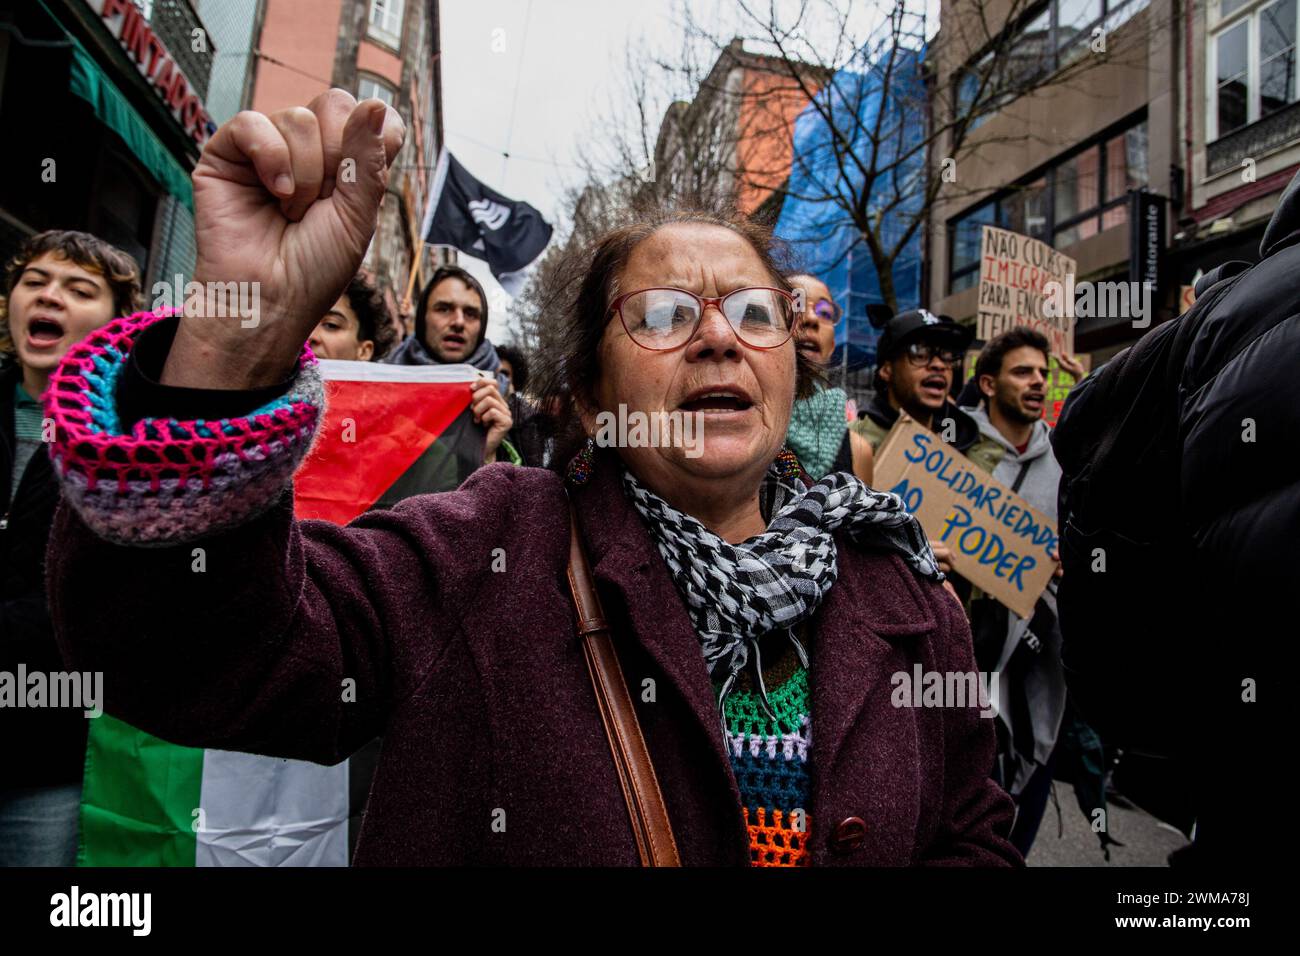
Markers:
<point>762,623</point>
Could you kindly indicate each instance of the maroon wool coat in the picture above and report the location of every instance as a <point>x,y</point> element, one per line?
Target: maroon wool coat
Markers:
<point>477,682</point>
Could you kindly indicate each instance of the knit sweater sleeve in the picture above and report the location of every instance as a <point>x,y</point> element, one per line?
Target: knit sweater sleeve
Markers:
<point>178,570</point>
<point>162,480</point>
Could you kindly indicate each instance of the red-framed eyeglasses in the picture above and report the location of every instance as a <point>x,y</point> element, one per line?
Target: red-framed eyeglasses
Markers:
<point>664,318</point>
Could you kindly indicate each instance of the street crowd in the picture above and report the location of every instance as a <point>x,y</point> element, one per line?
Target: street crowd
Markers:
<point>761,587</point>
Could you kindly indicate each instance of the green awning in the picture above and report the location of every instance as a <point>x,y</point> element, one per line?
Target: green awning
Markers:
<point>92,85</point>
<point>116,112</point>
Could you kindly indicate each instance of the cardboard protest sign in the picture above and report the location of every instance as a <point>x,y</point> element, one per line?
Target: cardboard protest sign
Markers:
<point>1000,542</point>
<point>1014,273</point>
<point>1059,382</point>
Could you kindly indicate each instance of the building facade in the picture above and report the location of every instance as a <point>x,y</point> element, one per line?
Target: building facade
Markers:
<point>385,49</point>
<point>1063,151</point>
<point>130,90</point>
<point>735,139</point>
<point>1241,127</point>
<point>1152,146</point>
<point>106,106</point>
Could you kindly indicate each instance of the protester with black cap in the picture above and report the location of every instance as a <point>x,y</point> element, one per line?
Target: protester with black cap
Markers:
<point>916,357</point>
<point>451,328</point>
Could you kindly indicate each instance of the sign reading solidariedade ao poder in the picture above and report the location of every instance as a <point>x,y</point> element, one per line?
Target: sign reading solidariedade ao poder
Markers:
<point>1014,271</point>
<point>1000,543</point>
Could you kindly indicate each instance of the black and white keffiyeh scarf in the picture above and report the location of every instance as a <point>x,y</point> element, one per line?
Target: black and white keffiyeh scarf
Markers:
<point>736,593</point>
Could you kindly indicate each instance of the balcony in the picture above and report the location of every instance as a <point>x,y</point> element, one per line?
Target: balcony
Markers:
<point>1253,141</point>
<point>174,23</point>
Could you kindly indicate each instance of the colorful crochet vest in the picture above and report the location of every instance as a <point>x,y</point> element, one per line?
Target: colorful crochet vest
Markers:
<point>770,760</point>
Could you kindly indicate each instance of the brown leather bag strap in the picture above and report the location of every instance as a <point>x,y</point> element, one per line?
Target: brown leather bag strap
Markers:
<point>636,774</point>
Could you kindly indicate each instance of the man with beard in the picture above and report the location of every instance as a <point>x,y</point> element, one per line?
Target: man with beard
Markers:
<point>1015,447</point>
<point>915,359</point>
<point>916,356</point>
<point>451,328</point>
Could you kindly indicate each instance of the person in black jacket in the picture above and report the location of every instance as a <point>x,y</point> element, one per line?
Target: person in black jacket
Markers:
<point>60,287</point>
<point>917,356</point>
<point>1180,509</point>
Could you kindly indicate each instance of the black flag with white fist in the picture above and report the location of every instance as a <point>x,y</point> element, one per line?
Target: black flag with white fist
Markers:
<point>483,223</point>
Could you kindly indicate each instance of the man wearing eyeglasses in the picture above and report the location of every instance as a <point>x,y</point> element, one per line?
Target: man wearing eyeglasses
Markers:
<point>916,356</point>
<point>915,359</point>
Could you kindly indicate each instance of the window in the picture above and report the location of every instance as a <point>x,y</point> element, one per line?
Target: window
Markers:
<point>369,88</point>
<point>1078,197</point>
<point>1091,188</point>
<point>386,21</point>
<point>1077,186</point>
<point>1075,21</point>
<point>1056,36</point>
<point>1277,27</point>
<point>1253,61</point>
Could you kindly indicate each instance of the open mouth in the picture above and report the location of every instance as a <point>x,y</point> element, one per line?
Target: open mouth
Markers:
<point>454,341</point>
<point>43,333</point>
<point>934,385</point>
<point>1034,402</point>
<point>718,400</point>
<point>807,345</point>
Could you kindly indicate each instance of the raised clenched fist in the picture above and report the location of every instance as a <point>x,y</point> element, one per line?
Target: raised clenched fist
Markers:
<point>288,201</point>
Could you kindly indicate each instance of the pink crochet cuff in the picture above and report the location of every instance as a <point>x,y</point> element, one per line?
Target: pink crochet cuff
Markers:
<point>164,481</point>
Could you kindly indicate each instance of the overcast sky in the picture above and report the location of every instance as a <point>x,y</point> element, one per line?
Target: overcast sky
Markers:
<point>533,78</point>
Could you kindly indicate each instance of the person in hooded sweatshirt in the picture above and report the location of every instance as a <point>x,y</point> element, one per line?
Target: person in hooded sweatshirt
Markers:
<point>450,329</point>
<point>1014,446</point>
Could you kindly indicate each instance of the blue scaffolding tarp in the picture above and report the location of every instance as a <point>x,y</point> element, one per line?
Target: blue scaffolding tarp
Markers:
<point>813,222</point>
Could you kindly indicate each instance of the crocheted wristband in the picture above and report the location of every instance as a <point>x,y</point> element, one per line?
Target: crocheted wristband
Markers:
<point>164,481</point>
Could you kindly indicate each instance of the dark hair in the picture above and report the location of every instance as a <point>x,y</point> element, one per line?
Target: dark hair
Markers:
<point>117,268</point>
<point>373,316</point>
<point>518,365</point>
<point>589,282</point>
<point>991,356</point>
<point>441,274</point>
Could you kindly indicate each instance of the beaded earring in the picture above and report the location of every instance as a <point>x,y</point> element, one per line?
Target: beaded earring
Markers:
<point>787,464</point>
<point>582,464</point>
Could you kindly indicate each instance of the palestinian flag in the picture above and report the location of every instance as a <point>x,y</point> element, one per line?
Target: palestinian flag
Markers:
<point>146,802</point>
<point>389,432</point>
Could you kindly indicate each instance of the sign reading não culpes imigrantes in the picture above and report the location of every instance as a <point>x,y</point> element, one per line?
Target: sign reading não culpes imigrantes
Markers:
<point>1014,271</point>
